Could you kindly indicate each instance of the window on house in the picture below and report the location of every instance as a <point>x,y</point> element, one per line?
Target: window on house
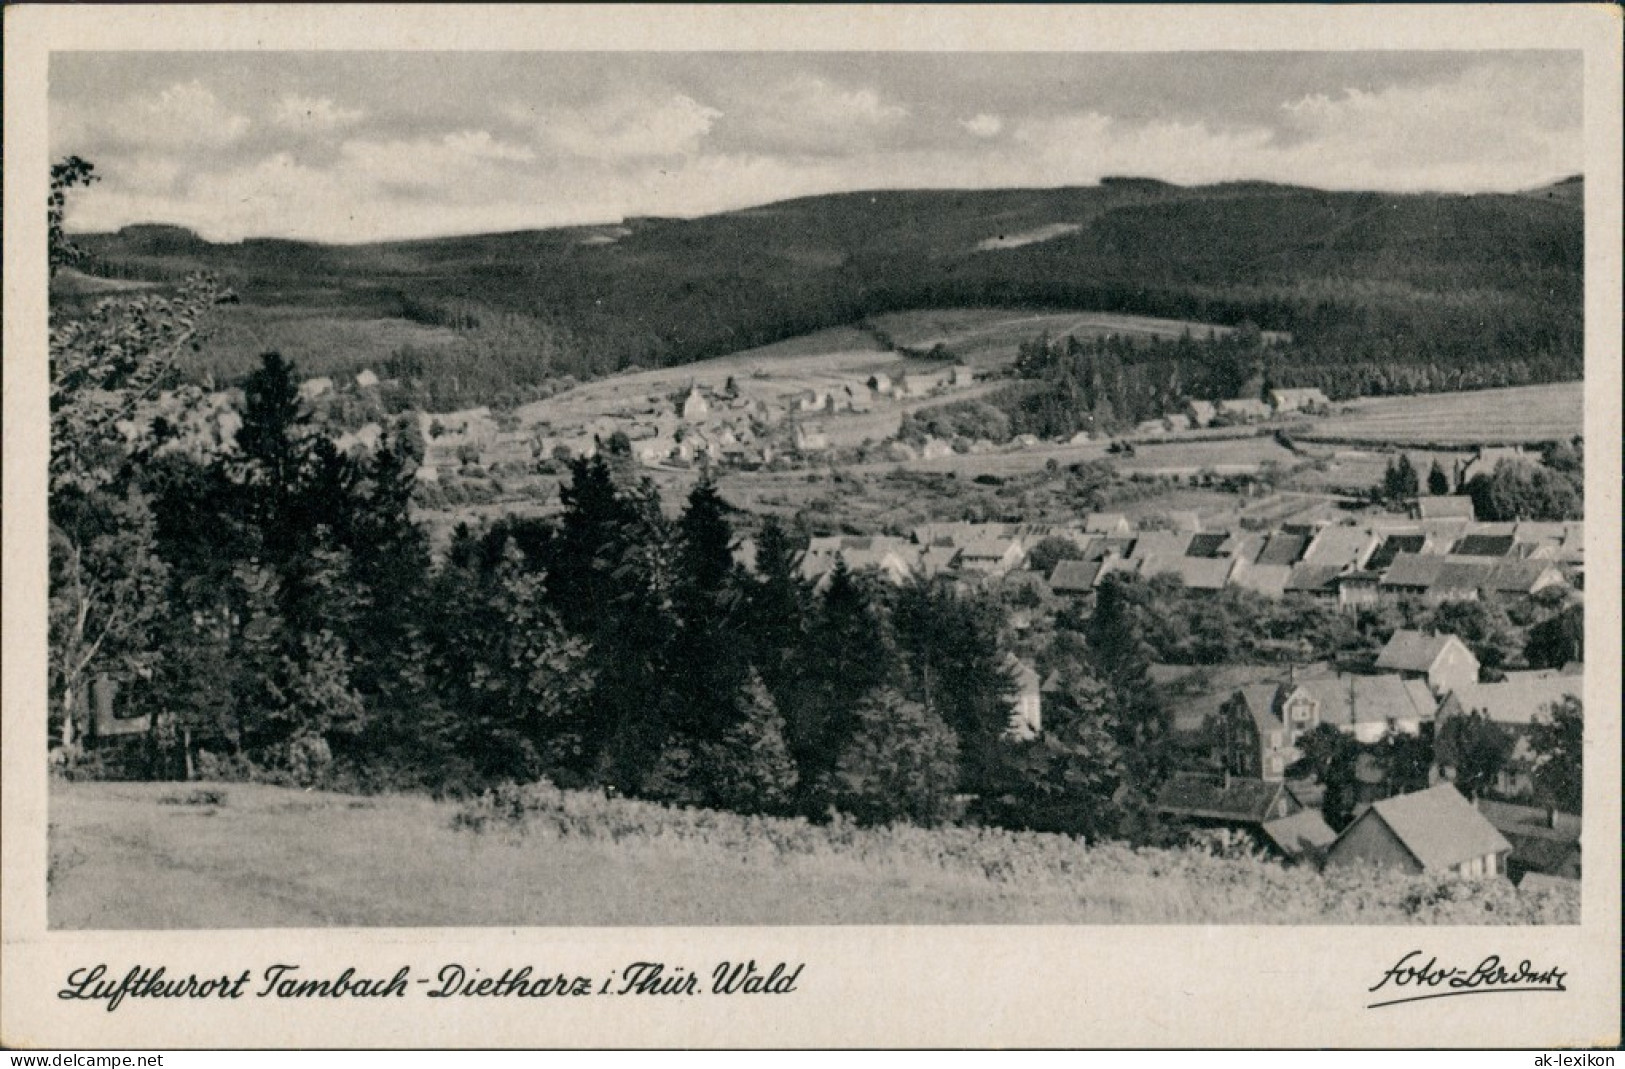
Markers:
<point>1300,710</point>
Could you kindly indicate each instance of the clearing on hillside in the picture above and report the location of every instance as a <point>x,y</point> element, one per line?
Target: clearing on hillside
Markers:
<point>990,337</point>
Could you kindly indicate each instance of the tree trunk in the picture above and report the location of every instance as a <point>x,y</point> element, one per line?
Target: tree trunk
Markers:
<point>70,736</point>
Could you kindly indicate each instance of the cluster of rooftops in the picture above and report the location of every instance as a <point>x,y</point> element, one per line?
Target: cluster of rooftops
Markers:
<point>1436,830</point>
<point>1242,725</point>
<point>1349,563</point>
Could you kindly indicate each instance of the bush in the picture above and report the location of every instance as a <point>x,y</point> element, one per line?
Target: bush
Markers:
<point>1126,884</point>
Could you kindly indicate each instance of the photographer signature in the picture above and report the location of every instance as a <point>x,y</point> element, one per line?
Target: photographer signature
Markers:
<point>1431,980</point>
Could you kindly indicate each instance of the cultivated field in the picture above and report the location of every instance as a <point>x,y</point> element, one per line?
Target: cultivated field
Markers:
<point>170,855</point>
<point>1516,414</point>
<point>823,359</point>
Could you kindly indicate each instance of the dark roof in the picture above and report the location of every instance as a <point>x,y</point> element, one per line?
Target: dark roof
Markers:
<point>1074,576</point>
<point>1438,826</point>
<point>1282,549</point>
<point>1478,545</point>
<point>1244,801</point>
<point>1206,544</point>
<point>1304,832</point>
<point>1508,817</point>
<point>1550,853</point>
<point>1393,546</point>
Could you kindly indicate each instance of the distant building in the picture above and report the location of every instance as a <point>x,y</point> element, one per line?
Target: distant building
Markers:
<point>1026,708</point>
<point>694,406</point>
<point>1246,409</point>
<point>311,389</point>
<point>1487,459</point>
<point>1297,400</point>
<point>365,379</point>
<point>809,439</point>
<point>1434,831</point>
<point>1202,412</point>
<point>992,556</point>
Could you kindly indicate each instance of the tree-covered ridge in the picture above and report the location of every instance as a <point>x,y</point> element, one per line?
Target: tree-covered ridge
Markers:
<point>1381,293</point>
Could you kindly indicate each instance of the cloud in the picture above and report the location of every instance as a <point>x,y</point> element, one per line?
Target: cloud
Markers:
<point>624,127</point>
<point>810,114</point>
<point>1465,133</point>
<point>983,125</point>
<point>185,115</point>
<point>313,114</point>
<point>347,158</point>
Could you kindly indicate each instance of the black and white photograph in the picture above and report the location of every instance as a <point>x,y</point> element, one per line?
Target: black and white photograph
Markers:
<point>554,488</point>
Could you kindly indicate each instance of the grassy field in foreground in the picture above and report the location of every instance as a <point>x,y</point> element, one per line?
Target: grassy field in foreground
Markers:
<point>1515,414</point>
<point>167,855</point>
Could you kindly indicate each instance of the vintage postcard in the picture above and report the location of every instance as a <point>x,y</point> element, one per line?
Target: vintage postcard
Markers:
<point>752,526</point>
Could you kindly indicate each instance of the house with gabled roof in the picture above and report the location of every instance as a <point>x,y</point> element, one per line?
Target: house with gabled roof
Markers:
<point>1074,578</point>
<point>1444,661</point>
<point>993,556</point>
<point>1434,831</point>
<point>1259,726</point>
<point>1269,812</point>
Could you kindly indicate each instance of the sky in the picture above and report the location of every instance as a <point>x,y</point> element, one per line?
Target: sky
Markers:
<point>364,146</point>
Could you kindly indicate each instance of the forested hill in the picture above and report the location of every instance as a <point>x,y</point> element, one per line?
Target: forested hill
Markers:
<point>1491,283</point>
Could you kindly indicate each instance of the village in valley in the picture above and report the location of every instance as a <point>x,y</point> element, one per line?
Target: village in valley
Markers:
<point>1240,771</point>
<point>1092,550</point>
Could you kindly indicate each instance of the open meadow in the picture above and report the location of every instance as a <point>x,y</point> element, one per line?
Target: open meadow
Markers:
<point>1473,417</point>
<point>190,855</point>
